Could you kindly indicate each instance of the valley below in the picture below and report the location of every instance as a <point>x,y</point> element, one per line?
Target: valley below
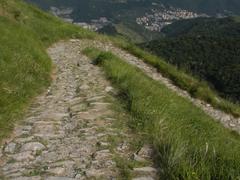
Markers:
<point>148,16</point>
<point>151,15</point>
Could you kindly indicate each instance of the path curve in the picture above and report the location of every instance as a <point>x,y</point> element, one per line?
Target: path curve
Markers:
<point>66,132</point>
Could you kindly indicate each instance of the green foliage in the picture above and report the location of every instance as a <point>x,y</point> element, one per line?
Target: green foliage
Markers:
<point>188,147</point>
<point>213,27</point>
<point>206,48</point>
<point>109,30</point>
<point>125,167</point>
<point>195,87</point>
<point>188,144</point>
<point>24,64</point>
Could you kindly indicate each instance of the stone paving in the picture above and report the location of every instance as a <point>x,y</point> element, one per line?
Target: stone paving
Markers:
<point>227,120</point>
<point>68,131</point>
<point>65,134</point>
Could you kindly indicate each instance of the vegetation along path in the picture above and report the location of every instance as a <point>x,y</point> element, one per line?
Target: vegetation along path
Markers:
<point>70,132</point>
<point>228,120</point>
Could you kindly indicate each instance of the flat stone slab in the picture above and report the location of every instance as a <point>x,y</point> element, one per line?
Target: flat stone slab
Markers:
<point>149,171</point>
<point>143,178</point>
<point>28,178</point>
<point>32,146</point>
<point>10,148</point>
<point>23,156</point>
<point>24,140</point>
<point>59,178</point>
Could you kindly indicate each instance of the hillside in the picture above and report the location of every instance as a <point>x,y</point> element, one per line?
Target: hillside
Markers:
<point>207,6</point>
<point>77,105</point>
<point>110,7</point>
<point>26,31</point>
<point>140,21</point>
<point>216,42</point>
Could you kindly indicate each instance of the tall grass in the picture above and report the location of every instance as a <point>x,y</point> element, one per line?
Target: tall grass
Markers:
<point>188,144</point>
<point>25,67</point>
<point>196,88</point>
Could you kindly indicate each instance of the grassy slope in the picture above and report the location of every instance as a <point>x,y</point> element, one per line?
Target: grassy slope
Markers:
<point>136,33</point>
<point>24,27</point>
<point>188,143</point>
<point>25,71</point>
<point>24,64</point>
<point>217,43</point>
<point>196,88</point>
<point>133,36</point>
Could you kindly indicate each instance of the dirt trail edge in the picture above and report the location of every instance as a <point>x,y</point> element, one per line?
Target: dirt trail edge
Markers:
<point>70,131</point>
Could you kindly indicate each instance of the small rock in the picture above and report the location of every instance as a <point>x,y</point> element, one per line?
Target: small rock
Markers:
<point>143,178</point>
<point>79,108</point>
<point>57,171</point>
<point>24,140</point>
<point>93,173</point>
<point>138,158</point>
<point>22,131</point>
<point>49,156</point>
<point>78,176</point>
<point>123,147</point>
<point>58,178</point>
<point>27,128</point>
<point>14,167</point>
<point>103,154</point>
<point>32,146</point>
<point>96,98</point>
<point>74,40</point>
<point>10,148</point>
<point>14,175</point>
<point>1,154</point>
<point>49,92</point>
<point>145,152</point>
<point>109,89</point>
<point>29,178</point>
<point>145,171</point>
<point>232,125</point>
<point>27,155</point>
<point>103,144</point>
<point>84,87</point>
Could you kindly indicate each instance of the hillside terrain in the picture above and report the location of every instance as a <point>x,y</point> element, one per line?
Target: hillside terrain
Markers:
<point>207,6</point>
<point>207,48</point>
<point>108,7</point>
<point>75,104</point>
<point>137,20</point>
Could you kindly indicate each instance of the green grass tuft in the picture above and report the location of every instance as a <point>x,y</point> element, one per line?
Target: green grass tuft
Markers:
<point>188,144</point>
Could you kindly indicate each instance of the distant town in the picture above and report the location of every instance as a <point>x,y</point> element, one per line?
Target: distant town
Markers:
<point>159,18</point>
<point>154,20</point>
